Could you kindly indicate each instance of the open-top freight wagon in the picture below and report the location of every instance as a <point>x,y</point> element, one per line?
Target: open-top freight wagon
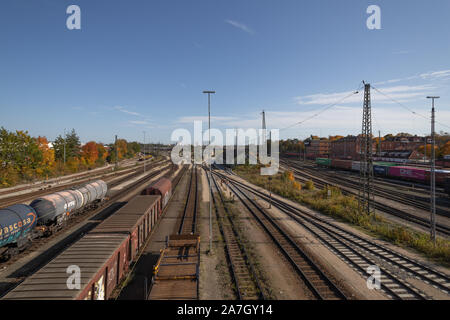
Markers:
<point>95,265</point>
<point>176,273</point>
<point>163,188</point>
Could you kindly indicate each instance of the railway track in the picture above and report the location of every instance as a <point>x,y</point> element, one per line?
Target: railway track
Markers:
<point>43,184</point>
<point>5,202</point>
<point>247,284</point>
<point>318,282</point>
<point>382,207</point>
<point>399,196</point>
<point>94,219</point>
<point>360,253</point>
<point>188,223</point>
<point>388,182</point>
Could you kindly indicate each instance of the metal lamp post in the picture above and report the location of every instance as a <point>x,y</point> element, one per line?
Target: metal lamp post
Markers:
<point>210,164</point>
<point>433,168</point>
<point>64,147</point>
<point>144,153</point>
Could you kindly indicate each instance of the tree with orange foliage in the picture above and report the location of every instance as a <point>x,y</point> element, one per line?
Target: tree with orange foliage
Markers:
<point>89,152</point>
<point>445,149</point>
<point>335,138</point>
<point>102,153</point>
<point>48,156</point>
<point>428,151</point>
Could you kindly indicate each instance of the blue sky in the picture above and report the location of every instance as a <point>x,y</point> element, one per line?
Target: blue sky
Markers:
<point>140,65</point>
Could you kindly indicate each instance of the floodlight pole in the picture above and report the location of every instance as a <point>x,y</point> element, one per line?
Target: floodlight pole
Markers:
<point>64,147</point>
<point>210,170</point>
<point>433,168</point>
<point>144,152</point>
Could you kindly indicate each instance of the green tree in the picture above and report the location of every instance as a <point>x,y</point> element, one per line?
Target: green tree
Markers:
<point>133,148</point>
<point>73,146</point>
<point>20,156</point>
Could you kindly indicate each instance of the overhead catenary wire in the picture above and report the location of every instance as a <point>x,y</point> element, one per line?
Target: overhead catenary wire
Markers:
<point>324,109</point>
<point>407,108</point>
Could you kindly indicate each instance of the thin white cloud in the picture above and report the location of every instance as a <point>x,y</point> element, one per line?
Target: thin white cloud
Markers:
<point>191,119</point>
<point>430,76</point>
<point>138,122</point>
<point>122,109</point>
<point>436,75</point>
<point>241,26</point>
<point>400,93</point>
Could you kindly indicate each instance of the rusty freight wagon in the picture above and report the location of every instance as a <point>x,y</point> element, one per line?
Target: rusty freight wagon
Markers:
<point>176,273</point>
<point>162,187</point>
<point>92,267</point>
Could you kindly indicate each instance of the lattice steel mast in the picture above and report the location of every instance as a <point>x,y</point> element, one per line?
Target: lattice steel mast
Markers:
<point>366,197</point>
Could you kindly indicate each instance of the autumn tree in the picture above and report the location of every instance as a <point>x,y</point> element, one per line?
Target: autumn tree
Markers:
<point>102,153</point>
<point>48,156</point>
<point>445,149</point>
<point>89,152</point>
<point>428,151</point>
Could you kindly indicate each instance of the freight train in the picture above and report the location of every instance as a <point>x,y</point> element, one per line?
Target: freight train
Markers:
<point>390,170</point>
<point>21,223</point>
<point>103,255</point>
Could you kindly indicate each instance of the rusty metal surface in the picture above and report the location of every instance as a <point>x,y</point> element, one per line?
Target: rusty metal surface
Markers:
<point>90,254</point>
<point>128,217</point>
<point>174,290</point>
<point>161,187</point>
<point>176,272</point>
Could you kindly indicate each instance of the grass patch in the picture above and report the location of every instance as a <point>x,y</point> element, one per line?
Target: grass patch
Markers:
<point>332,202</point>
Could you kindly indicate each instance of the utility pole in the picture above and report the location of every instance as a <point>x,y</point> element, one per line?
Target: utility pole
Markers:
<point>115,147</point>
<point>144,153</point>
<point>270,192</point>
<point>236,145</point>
<point>365,198</point>
<point>64,147</point>
<point>210,170</point>
<point>264,137</point>
<point>433,174</point>
<point>425,149</point>
<point>379,143</point>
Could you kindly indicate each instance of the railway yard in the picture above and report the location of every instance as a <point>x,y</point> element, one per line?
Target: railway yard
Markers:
<point>147,238</point>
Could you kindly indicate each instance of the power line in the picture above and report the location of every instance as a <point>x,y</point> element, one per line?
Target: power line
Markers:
<point>323,110</point>
<point>407,108</point>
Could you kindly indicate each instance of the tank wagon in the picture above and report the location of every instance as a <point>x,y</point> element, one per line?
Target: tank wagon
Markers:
<point>101,258</point>
<point>163,188</point>
<point>16,222</point>
<point>54,209</point>
<point>21,223</point>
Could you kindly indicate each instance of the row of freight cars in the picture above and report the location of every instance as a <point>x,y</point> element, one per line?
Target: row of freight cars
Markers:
<point>388,169</point>
<point>444,163</point>
<point>92,267</point>
<point>20,224</point>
